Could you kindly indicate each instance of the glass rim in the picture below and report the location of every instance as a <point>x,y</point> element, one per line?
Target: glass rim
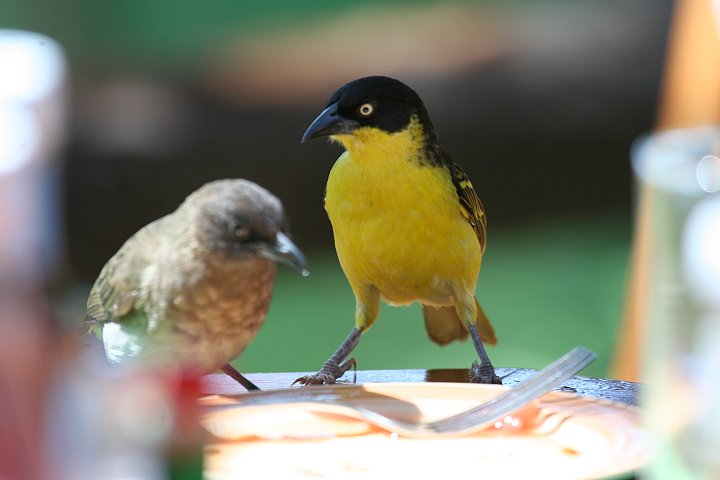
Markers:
<point>685,160</point>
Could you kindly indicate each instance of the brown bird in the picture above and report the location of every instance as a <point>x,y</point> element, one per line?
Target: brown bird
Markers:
<point>191,290</point>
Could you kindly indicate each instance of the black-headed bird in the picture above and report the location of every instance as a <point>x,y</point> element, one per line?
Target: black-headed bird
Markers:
<point>407,223</point>
<point>189,291</point>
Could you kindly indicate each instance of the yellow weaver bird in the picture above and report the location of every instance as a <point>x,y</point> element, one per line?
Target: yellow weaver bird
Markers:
<point>407,222</point>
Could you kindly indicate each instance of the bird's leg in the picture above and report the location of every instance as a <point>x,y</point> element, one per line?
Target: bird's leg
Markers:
<point>485,372</point>
<point>334,367</point>
<point>239,377</point>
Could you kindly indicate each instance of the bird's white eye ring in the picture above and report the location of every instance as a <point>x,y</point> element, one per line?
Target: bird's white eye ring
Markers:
<point>366,109</point>
<point>242,233</point>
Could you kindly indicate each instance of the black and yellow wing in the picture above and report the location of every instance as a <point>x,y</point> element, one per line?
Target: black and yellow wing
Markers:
<point>470,205</point>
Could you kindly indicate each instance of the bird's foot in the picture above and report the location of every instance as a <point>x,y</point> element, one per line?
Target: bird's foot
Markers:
<point>484,373</point>
<point>328,374</point>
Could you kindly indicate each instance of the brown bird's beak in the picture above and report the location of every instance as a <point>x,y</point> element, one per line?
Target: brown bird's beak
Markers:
<point>329,122</point>
<point>285,251</point>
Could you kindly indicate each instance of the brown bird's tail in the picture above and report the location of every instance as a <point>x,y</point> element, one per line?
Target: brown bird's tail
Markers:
<point>444,326</point>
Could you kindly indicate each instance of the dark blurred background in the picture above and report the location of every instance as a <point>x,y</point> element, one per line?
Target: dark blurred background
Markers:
<point>538,101</point>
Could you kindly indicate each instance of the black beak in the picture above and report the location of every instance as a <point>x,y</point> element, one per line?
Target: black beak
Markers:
<point>329,123</point>
<point>285,251</point>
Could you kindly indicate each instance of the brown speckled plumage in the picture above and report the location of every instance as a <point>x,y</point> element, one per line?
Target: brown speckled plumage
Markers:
<point>185,291</point>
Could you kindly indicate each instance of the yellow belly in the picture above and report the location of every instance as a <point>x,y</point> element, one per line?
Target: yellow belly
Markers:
<point>399,228</point>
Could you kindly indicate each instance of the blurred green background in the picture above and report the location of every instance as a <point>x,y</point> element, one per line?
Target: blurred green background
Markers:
<point>567,291</point>
<point>538,101</point>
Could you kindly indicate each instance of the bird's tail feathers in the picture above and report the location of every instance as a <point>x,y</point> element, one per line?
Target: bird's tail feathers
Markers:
<point>444,326</point>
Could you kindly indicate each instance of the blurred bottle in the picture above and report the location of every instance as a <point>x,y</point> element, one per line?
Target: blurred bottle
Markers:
<point>33,126</point>
<point>32,115</point>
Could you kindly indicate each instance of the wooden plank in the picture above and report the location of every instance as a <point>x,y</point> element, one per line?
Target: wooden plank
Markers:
<point>614,390</point>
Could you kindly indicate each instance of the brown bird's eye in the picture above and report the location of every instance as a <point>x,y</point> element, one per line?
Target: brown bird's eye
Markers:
<point>243,234</point>
<point>366,109</point>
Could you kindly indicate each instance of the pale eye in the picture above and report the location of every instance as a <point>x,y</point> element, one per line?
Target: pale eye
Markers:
<point>242,233</point>
<point>366,109</point>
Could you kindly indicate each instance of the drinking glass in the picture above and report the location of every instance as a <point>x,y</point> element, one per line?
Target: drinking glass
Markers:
<point>677,176</point>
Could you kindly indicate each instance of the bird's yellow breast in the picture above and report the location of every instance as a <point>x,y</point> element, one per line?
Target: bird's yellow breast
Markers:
<point>397,222</point>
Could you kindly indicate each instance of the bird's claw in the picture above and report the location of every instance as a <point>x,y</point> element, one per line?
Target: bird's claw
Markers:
<point>319,378</point>
<point>484,374</point>
<point>327,375</point>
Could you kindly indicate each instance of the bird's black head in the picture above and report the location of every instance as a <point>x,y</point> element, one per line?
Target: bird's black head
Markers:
<point>375,102</point>
<point>239,219</point>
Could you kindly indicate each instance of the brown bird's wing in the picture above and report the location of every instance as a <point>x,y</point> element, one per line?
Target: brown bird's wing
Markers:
<point>113,293</point>
<point>116,291</point>
<point>470,205</point>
